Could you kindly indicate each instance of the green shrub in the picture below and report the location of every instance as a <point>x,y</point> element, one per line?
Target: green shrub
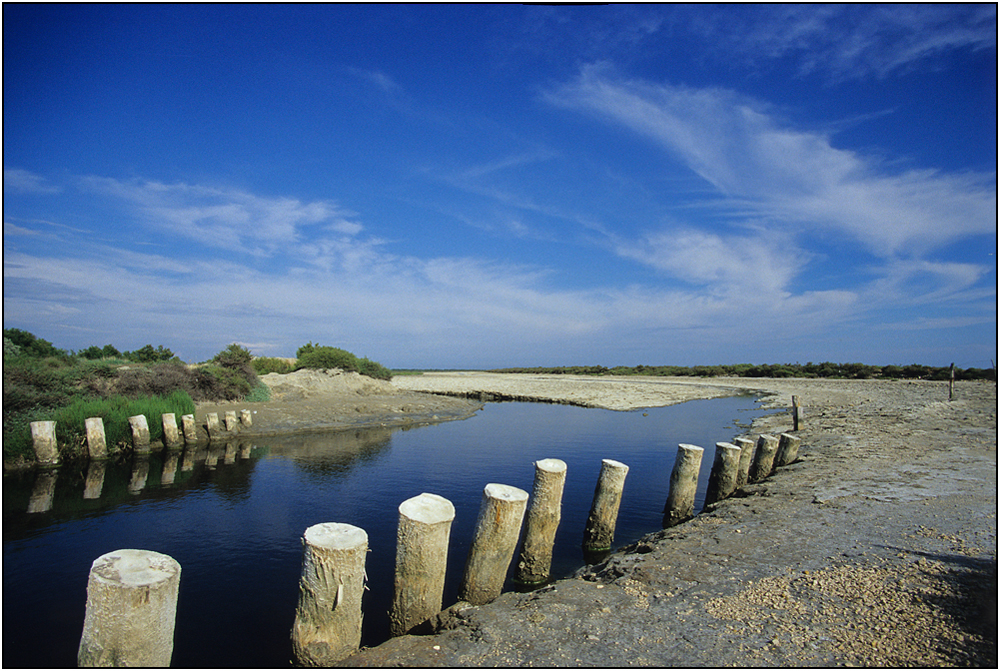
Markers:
<point>267,364</point>
<point>322,358</point>
<point>146,354</point>
<point>31,345</point>
<point>259,394</point>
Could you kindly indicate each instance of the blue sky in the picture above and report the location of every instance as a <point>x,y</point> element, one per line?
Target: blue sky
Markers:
<point>469,186</point>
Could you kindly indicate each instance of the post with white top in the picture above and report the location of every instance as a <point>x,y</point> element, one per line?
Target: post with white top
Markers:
<point>493,544</point>
<point>725,471</point>
<point>683,485</point>
<point>542,522</point>
<point>421,560</point>
<point>97,442</point>
<point>171,436</point>
<point>328,618</point>
<point>600,530</point>
<point>131,607</point>
<point>788,449</point>
<point>43,437</point>
<point>140,433</point>
<point>747,447</point>
<point>763,459</point>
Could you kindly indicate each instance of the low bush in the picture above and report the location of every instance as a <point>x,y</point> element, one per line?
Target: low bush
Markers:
<point>267,364</point>
<point>322,357</point>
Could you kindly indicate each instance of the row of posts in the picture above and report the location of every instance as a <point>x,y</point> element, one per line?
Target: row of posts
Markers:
<point>121,629</point>
<point>43,434</point>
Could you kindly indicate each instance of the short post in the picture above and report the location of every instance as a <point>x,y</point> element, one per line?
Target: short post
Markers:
<point>230,420</point>
<point>747,448</point>
<point>212,424</point>
<point>544,513</point>
<point>763,460</point>
<point>190,429</point>
<point>788,449</point>
<point>97,442</point>
<point>94,484</point>
<point>43,436</point>
<point>725,471</point>
<point>44,491</point>
<point>131,607</point>
<point>683,485</point>
<point>140,433</point>
<point>246,417</point>
<point>600,530</point>
<point>796,413</point>
<point>328,617</point>
<point>493,544</point>
<point>171,436</point>
<point>421,559</point>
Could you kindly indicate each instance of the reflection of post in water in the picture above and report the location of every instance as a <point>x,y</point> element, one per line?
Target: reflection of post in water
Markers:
<point>44,491</point>
<point>212,456</point>
<point>230,453</point>
<point>95,479</point>
<point>187,461</point>
<point>245,450</point>
<point>140,471</point>
<point>169,468</point>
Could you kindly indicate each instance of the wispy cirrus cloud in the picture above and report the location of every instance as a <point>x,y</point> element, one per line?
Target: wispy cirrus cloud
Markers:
<point>796,178</point>
<point>17,180</point>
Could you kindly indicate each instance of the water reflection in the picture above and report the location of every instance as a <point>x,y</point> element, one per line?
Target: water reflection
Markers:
<point>44,491</point>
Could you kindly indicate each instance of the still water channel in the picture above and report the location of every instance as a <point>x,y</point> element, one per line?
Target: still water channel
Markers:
<point>234,518</point>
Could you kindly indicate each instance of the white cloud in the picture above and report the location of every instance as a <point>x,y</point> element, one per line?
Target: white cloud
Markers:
<point>792,177</point>
<point>16,180</point>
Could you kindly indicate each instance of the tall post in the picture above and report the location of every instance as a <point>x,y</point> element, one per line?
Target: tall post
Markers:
<point>140,433</point>
<point>951,382</point>
<point>421,559</point>
<point>763,460</point>
<point>788,449</point>
<point>43,437</point>
<point>683,485</point>
<point>97,442</point>
<point>600,530</point>
<point>544,513</point>
<point>725,471</point>
<point>747,447</point>
<point>328,618</point>
<point>796,413</point>
<point>493,544</point>
<point>131,607</point>
<point>171,436</point>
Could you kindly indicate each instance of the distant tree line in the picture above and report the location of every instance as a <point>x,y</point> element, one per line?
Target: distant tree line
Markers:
<point>844,371</point>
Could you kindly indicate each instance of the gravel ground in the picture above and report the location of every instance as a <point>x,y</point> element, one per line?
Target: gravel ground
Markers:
<point>877,548</point>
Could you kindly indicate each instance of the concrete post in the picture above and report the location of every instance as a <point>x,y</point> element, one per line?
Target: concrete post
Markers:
<point>171,436</point>
<point>190,429</point>
<point>788,449</point>
<point>600,530</point>
<point>725,471</point>
<point>683,485</point>
<point>43,436</point>
<point>230,420</point>
<point>212,424</point>
<point>44,491</point>
<point>246,417</point>
<point>421,559</point>
<point>763,460</point>
<point>544,513</point>
<point>747,448</point>
<point>97,442</point>
<point>140,433</point>
<point>131,607</point>
<point>493,544</point>
<point>94,484</point>
<point>328,618</point>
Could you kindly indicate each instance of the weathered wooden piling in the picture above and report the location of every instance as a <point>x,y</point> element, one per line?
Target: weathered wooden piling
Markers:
<point>725,472</point>
<point>797,413</point>
<point>246,417</point>
<point>600,530</point>
<point>140,433</point>
<point>328,617</point>
<point>44,491</point>
<point>542,521</point>
<point>171,436</point>
<point>763,460</point>
<point>97,442</point>
<point>230,420</point>
<point>131,607</point>
<point>421,560</point>
<point>788,449</point>
<point>43,437</point>
<point>493,543</point>
<point>212,424</point>
<point>190,429</point>
<point>747,447</point>
<point>94,484</point>
<point>683,485</point>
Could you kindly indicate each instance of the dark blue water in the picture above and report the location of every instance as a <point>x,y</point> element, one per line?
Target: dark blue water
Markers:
<point>234,522</point>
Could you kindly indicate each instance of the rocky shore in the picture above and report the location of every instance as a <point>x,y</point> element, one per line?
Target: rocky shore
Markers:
<point>877,548</point>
